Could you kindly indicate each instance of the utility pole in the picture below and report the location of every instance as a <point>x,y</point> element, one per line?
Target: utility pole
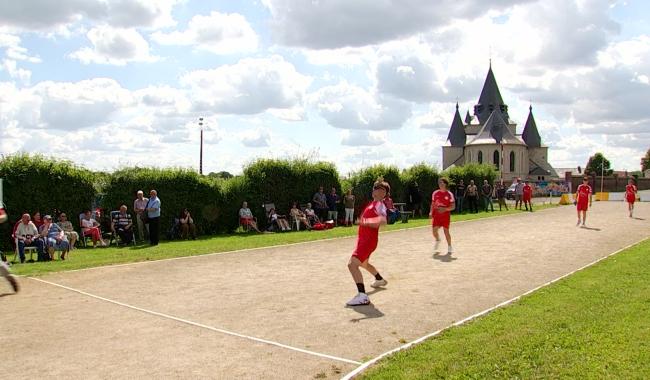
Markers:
<point>201,149</point>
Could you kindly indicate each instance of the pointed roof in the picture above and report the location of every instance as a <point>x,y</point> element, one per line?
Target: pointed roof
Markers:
<point>457,136</point>
<point>495,130</point>
<point>468,118</point>
<point>490,99</point>
<point>530,134</point>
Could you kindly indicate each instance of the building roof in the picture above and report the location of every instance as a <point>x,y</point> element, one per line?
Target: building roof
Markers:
<point>490,99</point>
<point>457,136</point>
<point>495,130</point>
<point>530,135</point>
<point>541,168</point>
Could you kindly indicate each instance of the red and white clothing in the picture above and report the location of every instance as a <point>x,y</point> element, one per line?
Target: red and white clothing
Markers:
<point>583,193</point>
<point>441,198</point>
<point>368,236</point>
<point>527,193</point>
<point>630,193</point>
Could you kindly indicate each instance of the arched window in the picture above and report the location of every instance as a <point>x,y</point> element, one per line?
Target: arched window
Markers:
<point>495,159</point>
<point>480,157</point>
<point>512,161</point>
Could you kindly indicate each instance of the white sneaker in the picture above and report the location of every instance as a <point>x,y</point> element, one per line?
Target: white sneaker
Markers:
<point>578,223</point>
<point>359,299</point>
<point>436,246</point>
<point>379,283</point>
<point>450,250</point>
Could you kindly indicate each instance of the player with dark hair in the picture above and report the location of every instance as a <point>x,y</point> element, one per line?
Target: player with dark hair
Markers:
<point>372,217</point>
<point>442,203</point>
<point>583,200</point>
<point>630,195</point>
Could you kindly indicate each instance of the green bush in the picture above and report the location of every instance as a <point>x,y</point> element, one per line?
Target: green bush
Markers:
<point>426,177</point>
<point>35,183</point>
<point>361,183</point>
<point>476,172</point>
<point>177,189</point>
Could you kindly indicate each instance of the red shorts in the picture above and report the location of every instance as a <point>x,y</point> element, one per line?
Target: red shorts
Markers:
<point>527,198</point>
<point>441,220</point>
<point>630,198</point>
<point>364,249</point>
<point>583,205</point>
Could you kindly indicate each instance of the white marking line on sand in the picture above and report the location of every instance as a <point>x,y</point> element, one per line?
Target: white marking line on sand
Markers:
<point>284,245</point>
<point>196,324</point>
<point>370,362</point>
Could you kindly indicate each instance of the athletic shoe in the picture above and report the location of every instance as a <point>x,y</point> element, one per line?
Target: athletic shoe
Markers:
<point>450,250</point>
<point>578,223</point>
<point>13,282</point>
<point>436,246</point>
<point>379,283</point>
<point>359,299</point>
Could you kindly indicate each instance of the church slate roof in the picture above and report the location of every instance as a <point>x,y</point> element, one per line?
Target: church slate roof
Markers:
<point>495,130</point>
<point>543,168</point>
<point>457,136</point>
<point>531,134</point>
<point>490,99</point>
<point>468,118</point>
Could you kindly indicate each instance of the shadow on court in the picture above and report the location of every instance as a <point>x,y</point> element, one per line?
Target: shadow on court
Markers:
<point>637,218</point>
<point>590,228</point>
<point>369,312</point>
<point>444,258</point>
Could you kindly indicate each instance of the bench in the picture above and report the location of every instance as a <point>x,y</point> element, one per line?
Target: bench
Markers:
<point>405,214</point>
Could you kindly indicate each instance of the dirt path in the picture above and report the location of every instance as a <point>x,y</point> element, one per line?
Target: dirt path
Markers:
<point>204,317</point>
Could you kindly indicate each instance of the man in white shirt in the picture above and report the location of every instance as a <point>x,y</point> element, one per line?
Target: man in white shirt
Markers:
<point>27,235</point>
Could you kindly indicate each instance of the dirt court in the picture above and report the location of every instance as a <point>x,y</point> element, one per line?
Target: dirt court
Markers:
<point>279,313</point>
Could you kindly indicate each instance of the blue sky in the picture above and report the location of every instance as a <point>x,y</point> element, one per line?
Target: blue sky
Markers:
<point>109,83</point>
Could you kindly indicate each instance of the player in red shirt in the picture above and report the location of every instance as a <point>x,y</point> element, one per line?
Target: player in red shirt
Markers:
<point>373,216</point>
<point>4,268</point>
<point>528,196</point>
<point>630,195</point>
<point>442,203</point>
<point>583,200</point>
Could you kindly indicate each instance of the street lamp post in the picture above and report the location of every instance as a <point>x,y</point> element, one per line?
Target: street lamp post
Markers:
<point>201,149</point>
<point>602,176</point>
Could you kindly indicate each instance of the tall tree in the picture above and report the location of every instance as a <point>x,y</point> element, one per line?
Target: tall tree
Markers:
<point>597,164</point>
<point>645,161</point>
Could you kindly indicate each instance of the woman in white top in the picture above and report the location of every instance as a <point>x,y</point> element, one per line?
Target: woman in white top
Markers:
<point>90,227</point>
<point>246,217</point>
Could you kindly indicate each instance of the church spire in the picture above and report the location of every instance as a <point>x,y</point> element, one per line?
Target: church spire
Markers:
<point>457,136</point>
<point>530,135</point>
<point>490,99</point>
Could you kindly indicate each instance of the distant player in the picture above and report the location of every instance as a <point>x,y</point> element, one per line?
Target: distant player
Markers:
<point>583,200</point>
<point>372,217</point>
<point>442,203</point>
<point>4,268</point>
<point>527,196</point>
<point>630,195</point>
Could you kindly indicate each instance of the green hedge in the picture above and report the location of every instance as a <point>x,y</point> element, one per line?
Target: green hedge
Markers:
<point>177,189</point>
<point>476,172</point>
<point>361,183</point>
<point>35,183</point>
<point>426,177</point>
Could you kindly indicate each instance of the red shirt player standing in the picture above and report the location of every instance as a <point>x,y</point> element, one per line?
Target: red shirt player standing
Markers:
<point>583,200</point>
<point>373,216</point>
<point>528,196</point>
<point>442,203</point>
<point>630,195</point>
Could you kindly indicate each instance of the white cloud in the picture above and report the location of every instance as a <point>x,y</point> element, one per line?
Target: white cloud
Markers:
<point>362,138</point>
<point>218,33</point>
<point>114,46</point>
<point>248,87</point>
<point>257,138</point>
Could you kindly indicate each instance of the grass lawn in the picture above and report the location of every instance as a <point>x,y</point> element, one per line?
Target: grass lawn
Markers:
<point>88,257</point>
<point>594,324</point>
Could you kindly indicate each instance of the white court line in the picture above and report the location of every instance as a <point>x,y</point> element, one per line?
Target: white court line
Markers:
<point>282,245</point>
<point>162,315</point>
<point>370,362</point>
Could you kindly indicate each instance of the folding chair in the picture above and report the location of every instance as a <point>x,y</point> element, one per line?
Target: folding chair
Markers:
<point>17,255</point>
<point>115,235</point>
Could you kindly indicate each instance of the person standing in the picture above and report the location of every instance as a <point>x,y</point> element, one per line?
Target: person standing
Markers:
<point>630,195</point>
<point>139,205</point>
<point>486,191</point>
<point>527,196</point>
<point>348,202</point>
<point>372,217</point>
<point>583,200</point>
<point>320,203</point>
<point>153,214</point>
<point>332,206</point>
<point>519,194</point>
<point>415,199</point>
<point>472,196</point>
<point>460,196</point>
<point>501,194</point>
<point>442,203</point>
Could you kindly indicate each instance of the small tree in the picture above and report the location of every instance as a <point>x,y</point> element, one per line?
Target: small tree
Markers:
<point>598,164</point>
<point>645,161</point>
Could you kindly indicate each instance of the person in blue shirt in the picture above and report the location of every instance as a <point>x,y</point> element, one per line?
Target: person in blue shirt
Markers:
<point>153,214</point>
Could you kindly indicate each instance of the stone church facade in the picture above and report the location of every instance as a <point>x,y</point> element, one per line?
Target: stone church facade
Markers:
<point>490,136</point>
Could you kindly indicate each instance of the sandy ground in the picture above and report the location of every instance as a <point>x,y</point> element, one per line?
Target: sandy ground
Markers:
<point>293,296</point>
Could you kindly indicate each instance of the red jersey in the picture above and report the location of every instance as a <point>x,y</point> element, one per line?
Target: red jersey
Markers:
<point>368,236</point>
<point>583,191</point>
<point>441,198</point>
<point>528,192</point>
<point>630,193</point>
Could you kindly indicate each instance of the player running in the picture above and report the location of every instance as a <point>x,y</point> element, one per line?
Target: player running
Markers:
<point>630,195</point>
<point>372,217</point>
<point>583,200</point>
<point>442,203</point>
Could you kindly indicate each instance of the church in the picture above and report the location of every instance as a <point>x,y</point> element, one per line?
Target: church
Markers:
<point>490,136</point>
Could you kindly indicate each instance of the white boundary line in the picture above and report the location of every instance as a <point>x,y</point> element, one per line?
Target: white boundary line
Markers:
<point>162,315</point>
<point>370,362</point>
<point>278,246</point>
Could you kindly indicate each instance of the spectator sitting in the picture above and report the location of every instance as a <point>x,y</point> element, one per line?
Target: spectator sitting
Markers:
<point>71,235</point>
<point>54,238</point>
<point>299,215</point>
<point>36,219</point>
<point>311,215</point>
<point>391,212</point>
<point>27,235</point>
<point>320,203</point>
<point>246,217</point>
<point>90,227</point>
<point>278,221</point>
<point>187,225</point>
<point>122,225</point>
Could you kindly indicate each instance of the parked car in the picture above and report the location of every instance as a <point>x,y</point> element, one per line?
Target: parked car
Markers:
<point>510,193</point>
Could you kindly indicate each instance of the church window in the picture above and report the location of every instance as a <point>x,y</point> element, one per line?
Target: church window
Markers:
<point>512,161</point>
<point>495,159</point>
<point>480,157</point>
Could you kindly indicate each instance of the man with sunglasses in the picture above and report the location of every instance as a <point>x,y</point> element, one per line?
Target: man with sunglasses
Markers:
<point>372,217</point>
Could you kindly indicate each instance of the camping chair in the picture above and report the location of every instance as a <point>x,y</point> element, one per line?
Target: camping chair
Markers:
<point>245,225</point>
<point>117,237</point>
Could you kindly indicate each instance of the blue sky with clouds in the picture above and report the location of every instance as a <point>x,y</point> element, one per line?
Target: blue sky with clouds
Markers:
<point>108,83</point>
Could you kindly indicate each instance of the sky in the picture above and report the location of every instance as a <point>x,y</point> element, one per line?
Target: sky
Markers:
<point>115,83</point>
